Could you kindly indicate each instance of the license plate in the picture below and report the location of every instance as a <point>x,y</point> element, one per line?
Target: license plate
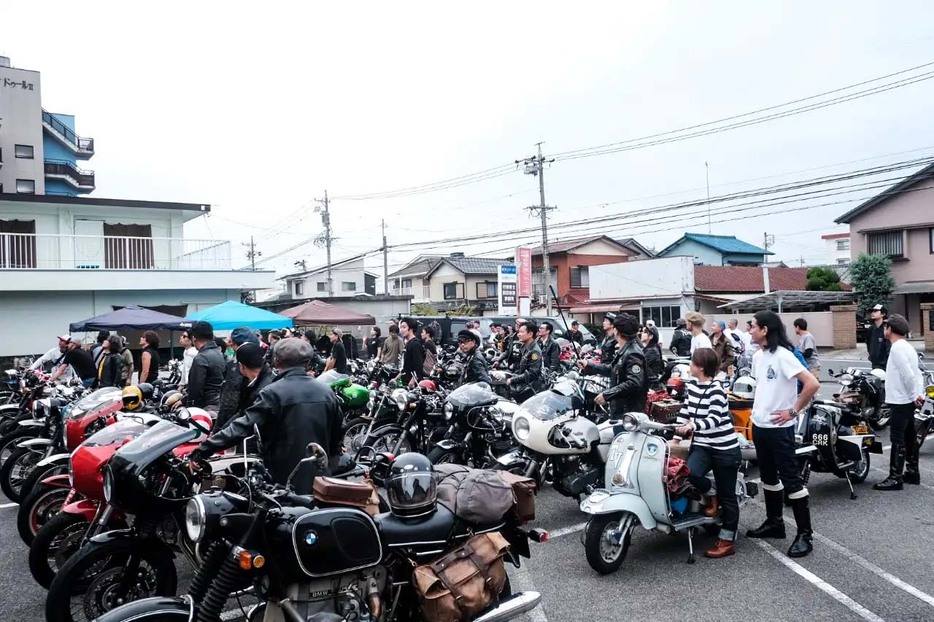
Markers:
<point>860,429</point>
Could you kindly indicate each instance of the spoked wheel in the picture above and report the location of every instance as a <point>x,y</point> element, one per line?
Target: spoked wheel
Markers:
<point>395,442</point>
<point>606,540</point>
<point>37,508</point>
<point>92,581</point>
<point>882,421</point>
<point>54,544</point>
<point>861,469</point>
<point>9,441</point>
<point>439,455</point>
<point>16,470</point>
<point>355,434</point>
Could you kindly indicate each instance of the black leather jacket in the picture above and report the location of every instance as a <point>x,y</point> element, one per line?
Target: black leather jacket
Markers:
<point>551,354</point>
<point>292,411</point>
<point>242,395</point>
<point>529,370</point>
<point>475,369</point>
<point>654,362</point>
<point>630,379</point>
<point>878,346</point>
<point>680,343</point>
<point>206,377</point>
<point>608,350</point>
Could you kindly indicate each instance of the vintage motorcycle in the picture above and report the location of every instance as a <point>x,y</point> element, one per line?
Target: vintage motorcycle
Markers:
<point>924,417</point>
<point>636,493</point>
<point>479,427</point>
<point>862,392</point>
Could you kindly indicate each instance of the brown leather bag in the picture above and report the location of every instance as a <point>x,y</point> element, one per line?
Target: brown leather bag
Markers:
<point>464,582</point>
<point>341,492</point>
<point>524,490</point>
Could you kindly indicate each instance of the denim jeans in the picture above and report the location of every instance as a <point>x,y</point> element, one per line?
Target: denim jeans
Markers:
<point>778,465</point>
<point>725,464</point>
<point>88,382</point>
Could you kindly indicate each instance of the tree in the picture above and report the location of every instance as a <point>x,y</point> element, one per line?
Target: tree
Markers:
<point>823,280</point>
<point>871,276</point>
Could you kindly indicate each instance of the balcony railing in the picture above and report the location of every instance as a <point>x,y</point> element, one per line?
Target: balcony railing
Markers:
<point>77,177</point>
<point>84,145</point>
<point>418,293</point>
<point>25,251</point>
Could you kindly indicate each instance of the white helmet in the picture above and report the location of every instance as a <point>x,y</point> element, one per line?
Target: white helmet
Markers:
<point>745,387</point>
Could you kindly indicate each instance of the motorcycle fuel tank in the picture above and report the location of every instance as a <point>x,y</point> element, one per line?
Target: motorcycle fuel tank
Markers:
<point>335,540</point>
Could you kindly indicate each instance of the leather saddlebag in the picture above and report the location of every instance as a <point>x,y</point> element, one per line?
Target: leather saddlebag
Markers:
<point>341,492</point>
<point>524,490</point>
<point>458,586</point>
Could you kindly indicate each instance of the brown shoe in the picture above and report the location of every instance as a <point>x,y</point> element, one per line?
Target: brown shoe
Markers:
<point>721,548</point>
<point>712,507</point>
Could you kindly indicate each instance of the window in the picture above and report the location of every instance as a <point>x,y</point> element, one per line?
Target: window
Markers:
<point>843,245</point>
<point>24,151</point>
<point>886,243</point>
<point>664,317</point>
<point>486,289</point>
<point>580,276</point>
<point>842,261</point>
<point>299,288</point>
<point>128,247</point>
<point>321,286</point>
<point>450,291</point>
<point>406,283</point>
<point>17,244</point>
<point>348,286</point>
<point>25,186</point>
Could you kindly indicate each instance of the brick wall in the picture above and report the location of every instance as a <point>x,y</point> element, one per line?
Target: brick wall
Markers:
<point>927,310</point>
<point>844,327</point>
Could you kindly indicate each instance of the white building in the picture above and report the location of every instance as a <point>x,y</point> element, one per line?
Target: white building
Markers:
<point>64,259</point>
<point>837,247</point>
<point>348,278</point>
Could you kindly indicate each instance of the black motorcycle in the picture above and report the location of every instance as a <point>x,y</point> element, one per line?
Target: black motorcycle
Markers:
<point>418,423</point>
<point>834,439</point>
<point>479,427</point>
<point>317,564</point>
<point>863,394</point>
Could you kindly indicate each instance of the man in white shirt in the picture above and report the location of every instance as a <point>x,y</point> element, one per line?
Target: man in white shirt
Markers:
<point>774,413</point>
<point>53,356</point>
<point>696,327</point>
<point>904,391</point>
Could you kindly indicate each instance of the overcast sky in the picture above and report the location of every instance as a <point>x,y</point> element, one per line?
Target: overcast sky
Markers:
<point>257,108</point>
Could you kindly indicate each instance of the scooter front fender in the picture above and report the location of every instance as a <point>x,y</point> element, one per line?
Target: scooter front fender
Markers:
<point>114,535</point>
<point>55,459</point>
<point>150,609</point>
<point>603,502</point>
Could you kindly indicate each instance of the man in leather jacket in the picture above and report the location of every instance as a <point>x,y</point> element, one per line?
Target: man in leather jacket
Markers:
<point>234,379</point>
<point>528,378</point>
<point>877,345</point>
<point>291,412</point>
<point>551,351</point>
<point>608,345</point>
<point>628,373</point>
<point>207,369</point>
<point>475,365</point>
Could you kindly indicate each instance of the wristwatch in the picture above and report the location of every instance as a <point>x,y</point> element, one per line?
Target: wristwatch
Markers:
<point>793,413</point>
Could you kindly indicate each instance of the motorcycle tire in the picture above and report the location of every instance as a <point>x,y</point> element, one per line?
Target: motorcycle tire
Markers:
<point>440,455</point>
<point>8,441</point>
<point>392,439</point>
<point>882,421</point>
<point>858,477</point>
<point>42,504</point>
<point>922,432</point>
<point>80,586</point>
<point>54,544</point>
<point>602,556</point>
<point>16,469</point>
<point>354,430</point>
<point>40,473</point>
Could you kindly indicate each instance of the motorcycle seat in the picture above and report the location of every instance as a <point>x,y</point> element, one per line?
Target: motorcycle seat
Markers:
<point>431,529</point>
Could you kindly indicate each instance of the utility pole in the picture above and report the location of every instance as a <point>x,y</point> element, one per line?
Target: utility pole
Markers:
<point>707,173</point>
<point>325,239</point>
<point>252,254</point>
<point>535,165</point>
<point>385,260</point>
<point>768,241</point>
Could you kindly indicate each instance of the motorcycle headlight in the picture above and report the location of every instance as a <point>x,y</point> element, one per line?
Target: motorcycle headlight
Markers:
<point>846,379</point>
<point>521,428</point>
<point>448,410</point>
<point>195,519</point>
<point>108,485</point>
<point>401,398</point>
<point>929,391</point>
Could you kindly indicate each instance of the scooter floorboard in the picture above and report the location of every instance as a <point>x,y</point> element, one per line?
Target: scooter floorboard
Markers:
<point>691,519</point>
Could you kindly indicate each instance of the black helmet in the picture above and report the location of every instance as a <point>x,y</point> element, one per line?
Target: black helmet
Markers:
<point>146,389</point>
<point>411,485</point>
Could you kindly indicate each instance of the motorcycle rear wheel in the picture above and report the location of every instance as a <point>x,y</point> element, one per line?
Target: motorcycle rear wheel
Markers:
<point>54,544</point>
<point>42,504</point>
<point>86,586</point>
<point>602,555</point>
<point>16,470</point>
<point>882,421</point>
<point>354,434</point>
<point>440,455</point>
<point>859,475</point>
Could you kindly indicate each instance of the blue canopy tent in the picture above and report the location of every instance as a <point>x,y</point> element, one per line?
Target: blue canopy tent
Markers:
<point>229,315</point>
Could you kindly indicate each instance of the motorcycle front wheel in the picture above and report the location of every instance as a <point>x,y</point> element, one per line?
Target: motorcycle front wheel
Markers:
<point>355,434</point>
<point>392,439</point>
<point>54,544</point>
<point>9,441</point>
<point>16,470</point>
<point>603,554</point>
<point>89,584</point>
<point>42,504</point>
<point>440,455</point>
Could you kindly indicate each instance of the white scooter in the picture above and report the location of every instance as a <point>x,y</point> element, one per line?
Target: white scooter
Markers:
<point>636,493</point>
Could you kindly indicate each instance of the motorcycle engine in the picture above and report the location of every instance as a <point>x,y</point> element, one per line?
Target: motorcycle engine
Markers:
<point>577,477</point>
<point>354,597</point>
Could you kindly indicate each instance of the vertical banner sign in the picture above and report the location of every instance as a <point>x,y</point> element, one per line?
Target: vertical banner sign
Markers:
<point>506,281</point>
<point>524,277</point>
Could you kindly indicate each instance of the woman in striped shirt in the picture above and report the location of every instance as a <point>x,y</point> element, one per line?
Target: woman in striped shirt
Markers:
<point>706,416</point>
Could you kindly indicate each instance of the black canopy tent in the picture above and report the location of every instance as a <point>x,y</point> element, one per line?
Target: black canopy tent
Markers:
<point>133,317</point>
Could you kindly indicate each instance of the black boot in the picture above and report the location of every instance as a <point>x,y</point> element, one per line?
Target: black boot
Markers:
<point>896,466</point>
<point>802,543</point>
<point>912,474</point>
<point>774,526</point>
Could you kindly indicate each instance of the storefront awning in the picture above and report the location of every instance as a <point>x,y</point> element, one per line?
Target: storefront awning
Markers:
<point>787,299</point>
<point>915,287</point>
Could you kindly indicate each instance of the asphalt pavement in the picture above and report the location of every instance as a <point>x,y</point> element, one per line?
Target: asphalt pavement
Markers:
<point>872,561</point>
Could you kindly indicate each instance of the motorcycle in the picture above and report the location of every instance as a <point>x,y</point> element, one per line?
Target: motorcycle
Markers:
<point>834,439</point>
<point>417,424</point>
<point>556,443</point>
<point>636,492</point>
<point>862,392</point>
<point>353,397</point>
<point>276,541</point>
<point>479,430</point>
<point>924,417</point>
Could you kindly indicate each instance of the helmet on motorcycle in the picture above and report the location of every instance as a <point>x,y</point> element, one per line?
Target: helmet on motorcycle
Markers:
<point>428,385</point>
<point>745,387</point>
<point>132,397</point>
<point>146,389</point>
<point>411,486</point>
<point>675,386</point>
<point>171,400</point>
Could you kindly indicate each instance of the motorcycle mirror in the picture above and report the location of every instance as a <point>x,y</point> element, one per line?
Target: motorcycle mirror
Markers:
<point>830,371</point>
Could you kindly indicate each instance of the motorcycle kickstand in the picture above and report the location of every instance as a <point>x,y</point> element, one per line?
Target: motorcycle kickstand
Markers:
<point>850,482</point>
<point>691,557</point>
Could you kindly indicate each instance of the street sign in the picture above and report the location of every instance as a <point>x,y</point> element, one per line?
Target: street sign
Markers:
<point>507,289</point>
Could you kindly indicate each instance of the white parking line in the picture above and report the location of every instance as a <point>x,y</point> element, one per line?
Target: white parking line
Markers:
<point>3,506</point>
<point>819,583</point>
<point>557,533</point>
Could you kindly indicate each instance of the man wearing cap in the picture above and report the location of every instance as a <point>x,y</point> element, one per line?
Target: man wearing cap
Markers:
<point>233,378</point>
<point>528,379</point>
<point>904,391</point>
<point>876,343</point>
<point>53,357</point>
<point>628,373</point>
<point>291,412</point>
<point>255,375</point>
<point>475,365</point>
<point>206,376</point>
<point>80,359</point>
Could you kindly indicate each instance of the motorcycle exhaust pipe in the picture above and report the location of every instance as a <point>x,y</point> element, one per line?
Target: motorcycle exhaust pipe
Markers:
<point>516,605</point>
